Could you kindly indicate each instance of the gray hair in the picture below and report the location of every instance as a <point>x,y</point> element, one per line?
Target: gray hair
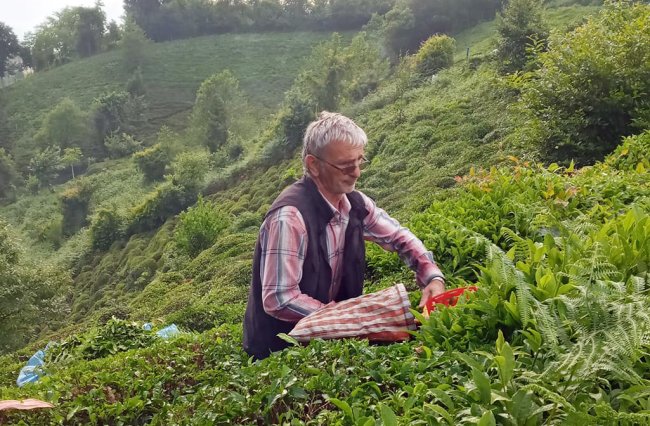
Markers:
<point>330,127</point>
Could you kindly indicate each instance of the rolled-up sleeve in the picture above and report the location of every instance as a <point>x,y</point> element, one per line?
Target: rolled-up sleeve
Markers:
<point>283,240</point>
<point>384,230</point>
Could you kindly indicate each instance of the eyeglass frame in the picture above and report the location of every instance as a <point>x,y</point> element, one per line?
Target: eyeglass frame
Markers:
<point>345,170</point>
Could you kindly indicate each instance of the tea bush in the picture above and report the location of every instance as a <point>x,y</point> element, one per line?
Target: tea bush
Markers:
<point>556,334</point>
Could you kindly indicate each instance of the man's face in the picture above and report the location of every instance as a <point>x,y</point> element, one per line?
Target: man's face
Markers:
<point>340,155</point>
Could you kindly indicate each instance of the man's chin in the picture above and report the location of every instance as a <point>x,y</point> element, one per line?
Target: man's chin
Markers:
<point>350,187</point>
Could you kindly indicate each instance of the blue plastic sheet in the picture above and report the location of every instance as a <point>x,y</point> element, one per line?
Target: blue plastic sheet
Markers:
<point>30,372</point>
<point>169,331</point>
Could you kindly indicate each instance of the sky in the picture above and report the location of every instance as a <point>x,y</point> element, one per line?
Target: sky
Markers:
<point>24,15</point>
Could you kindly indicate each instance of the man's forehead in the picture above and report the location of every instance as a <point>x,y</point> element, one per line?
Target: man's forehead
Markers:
<point>342,147</point>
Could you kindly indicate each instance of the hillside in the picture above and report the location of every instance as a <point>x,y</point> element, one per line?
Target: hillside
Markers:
<point>557,333</point>
<point>172,72</point>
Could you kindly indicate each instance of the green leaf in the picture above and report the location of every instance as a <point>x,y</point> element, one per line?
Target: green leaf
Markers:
<point>482,383</point>
<point>388,417</point>
<point>438,409</point>
<point>343,406</point>
<point>500,340</point>
<point>443,397</point>
<point>418,316</point>
<point>487,419</point>
<point>365,421</point>
<point>522,406</point>
<point>505,363</point>
<point>288,339</point>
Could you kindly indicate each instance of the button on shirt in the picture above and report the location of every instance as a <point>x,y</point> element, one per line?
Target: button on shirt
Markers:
<point>283,238</point>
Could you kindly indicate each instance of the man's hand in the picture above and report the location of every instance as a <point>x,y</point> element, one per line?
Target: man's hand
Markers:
<point>435,287</point>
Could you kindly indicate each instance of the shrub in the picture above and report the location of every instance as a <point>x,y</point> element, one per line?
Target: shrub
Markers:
<point>120,145</point>
<point>152,162</point>
<point>247,221</point>
<point>189,170</point>
<point>435,54</point>
<point>199,227</point>
<point>115,336</point>
<point>33,296</point>
<point>32,184</point>
<point>632,154</point>
<point>106,228</point>
<point>74,206</point>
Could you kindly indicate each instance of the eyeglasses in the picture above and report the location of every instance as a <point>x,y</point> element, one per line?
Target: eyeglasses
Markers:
<point>348,170</point>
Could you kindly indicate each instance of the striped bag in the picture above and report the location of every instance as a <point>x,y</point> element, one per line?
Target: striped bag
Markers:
<point>383,316</point>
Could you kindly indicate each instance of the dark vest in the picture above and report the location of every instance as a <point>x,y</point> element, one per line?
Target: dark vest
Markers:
<point>261,329</point>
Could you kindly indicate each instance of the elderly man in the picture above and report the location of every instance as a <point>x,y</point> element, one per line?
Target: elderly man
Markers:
<point>310,252</point>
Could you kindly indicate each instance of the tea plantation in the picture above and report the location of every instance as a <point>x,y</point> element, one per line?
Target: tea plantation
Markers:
<point>473,160</point>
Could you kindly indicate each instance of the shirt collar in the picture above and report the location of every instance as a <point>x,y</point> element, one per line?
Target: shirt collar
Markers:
<point>344,206</point>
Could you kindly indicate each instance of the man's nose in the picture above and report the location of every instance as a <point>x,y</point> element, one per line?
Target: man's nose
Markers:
<point>357,171</point>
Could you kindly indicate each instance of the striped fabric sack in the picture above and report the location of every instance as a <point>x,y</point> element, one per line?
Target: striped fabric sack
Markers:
<point>383,316</point>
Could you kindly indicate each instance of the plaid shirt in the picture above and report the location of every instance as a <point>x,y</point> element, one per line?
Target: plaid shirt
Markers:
<point>283,238</point>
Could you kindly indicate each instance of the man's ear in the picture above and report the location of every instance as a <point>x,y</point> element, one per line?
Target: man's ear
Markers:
<point>312,165</point>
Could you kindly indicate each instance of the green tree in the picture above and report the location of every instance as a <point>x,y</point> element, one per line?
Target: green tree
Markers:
<point>365,67</point>
<point>9,46</point>
<point>145,14</point>
<point>64,126</point>
<point>134,44</point>
<point>520,25</point>
<point>217,103</point>
<point>394,28</point>
<point>75,201</point>
<point>115,112</point>
<point>120,145</point>
<point>70,157</point>
<point>68,34</point>
<point>113,36</point>
<point>46,164</point>
<point>591,86</point>
<point>89,30</point>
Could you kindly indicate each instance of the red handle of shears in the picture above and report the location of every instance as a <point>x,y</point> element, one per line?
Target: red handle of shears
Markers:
<point>448,298</point>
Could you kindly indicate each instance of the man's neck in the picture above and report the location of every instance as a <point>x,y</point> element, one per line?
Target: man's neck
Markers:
<point>334,199</point>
